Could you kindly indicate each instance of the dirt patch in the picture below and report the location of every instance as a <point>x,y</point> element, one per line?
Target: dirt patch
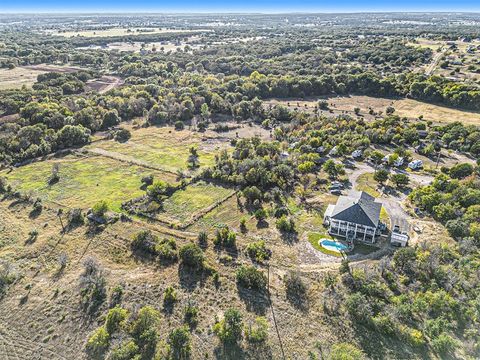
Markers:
<point>104,84</point>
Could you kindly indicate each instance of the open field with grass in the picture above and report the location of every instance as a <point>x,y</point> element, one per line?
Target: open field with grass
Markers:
<point>18,77</point>
<point>83,181</point>
<point>185,203</point>
<point>438,114</point>
<point>27,75</point>
<point>404,107</point>
<point>163,147</point>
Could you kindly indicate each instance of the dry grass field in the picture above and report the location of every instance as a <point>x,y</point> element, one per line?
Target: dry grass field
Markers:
<point>27,75</point>
<point>18,77</point>
<point>409,108</point>
<point>438,114</point>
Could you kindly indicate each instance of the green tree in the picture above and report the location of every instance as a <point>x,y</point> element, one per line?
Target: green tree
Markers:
<point>192,256</point>
<point>179,341</point>
<point>381,176</point>
<point>229,329</point>
<point>258,332</point>
<point>400,180</point>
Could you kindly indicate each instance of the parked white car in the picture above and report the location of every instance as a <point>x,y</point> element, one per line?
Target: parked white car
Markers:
<point>415,164</point>
<point>357,154</point>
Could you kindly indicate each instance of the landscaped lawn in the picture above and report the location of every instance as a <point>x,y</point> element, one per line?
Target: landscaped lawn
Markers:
<point>83,181</point>
<point>365,182</point>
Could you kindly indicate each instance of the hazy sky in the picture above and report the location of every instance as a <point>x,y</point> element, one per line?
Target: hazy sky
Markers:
<point>237,5</point>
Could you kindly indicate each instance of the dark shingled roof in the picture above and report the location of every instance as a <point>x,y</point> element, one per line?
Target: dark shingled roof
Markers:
<point>360,208</point>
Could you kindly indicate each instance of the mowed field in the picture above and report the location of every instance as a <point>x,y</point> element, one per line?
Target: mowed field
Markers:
<point>162,147</point>
<point>83,181</point>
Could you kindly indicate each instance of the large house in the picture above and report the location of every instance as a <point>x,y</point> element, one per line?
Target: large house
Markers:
<point>356,216</point>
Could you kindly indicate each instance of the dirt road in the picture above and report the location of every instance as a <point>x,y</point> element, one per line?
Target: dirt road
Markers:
<point>436,59</point>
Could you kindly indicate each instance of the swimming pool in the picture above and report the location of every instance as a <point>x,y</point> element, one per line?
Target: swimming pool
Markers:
<point>333,245</point>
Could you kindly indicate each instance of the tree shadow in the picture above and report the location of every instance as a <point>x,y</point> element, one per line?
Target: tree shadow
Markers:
<point>190,278</point>
<point>290,237</point>
<point>255,300</point>
<point>229,352</point>
<point>262,224</point>
<point>35,213</point>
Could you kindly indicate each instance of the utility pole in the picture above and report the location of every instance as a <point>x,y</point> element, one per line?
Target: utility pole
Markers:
<point>273,313</point>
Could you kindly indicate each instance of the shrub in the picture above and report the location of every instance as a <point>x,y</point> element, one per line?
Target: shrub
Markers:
<point>147,180</point>
<point>158,190</point>
<point>381,176</point>
<point>179,125</point>
<point>359,308</point>
<point>191,315</point>
<point>115,319</point>
<point>444,344</point>
<point>170,296</point>
<point>285,224</point>
<point>461,171</point>
<point>100,208</point>
<point>258,251</point>
<point>192,256</point>
<point>92,285</point>
<point>144,331</point>
<point>3,185</point>
<point>75,217</point>
<point>145,241</point>
<point>203,238</point>
<point>98,342</point>
<point>167,250</point>
<point>7,276</point>
<point>126,351</point>
<point>179,341</point>
<point>400,179</point>
<point>258,333</point>
<point>346,351</point>
<point>260,214</point>
<point>251,278</point>
<point>224,236</point>
<point>122,135</point>
<point>229,330</point>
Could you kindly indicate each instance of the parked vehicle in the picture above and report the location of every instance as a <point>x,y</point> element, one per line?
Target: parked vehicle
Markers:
<point>415,164</point>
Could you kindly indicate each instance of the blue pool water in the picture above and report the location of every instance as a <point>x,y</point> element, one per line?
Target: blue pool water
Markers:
<point>333,245</point>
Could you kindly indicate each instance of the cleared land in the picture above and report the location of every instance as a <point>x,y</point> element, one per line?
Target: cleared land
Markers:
<point>83,181</point>
<point>409,108</point>
<point>438,114</point>
<point>18,77</point>
<point>27,75</point>
<point>163,147</point>
<point>185,203</point>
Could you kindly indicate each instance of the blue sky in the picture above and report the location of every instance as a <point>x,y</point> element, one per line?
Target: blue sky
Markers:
<point>274,6</point>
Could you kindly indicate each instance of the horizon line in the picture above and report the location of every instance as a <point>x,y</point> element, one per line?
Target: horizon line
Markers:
<point>216,12</point>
